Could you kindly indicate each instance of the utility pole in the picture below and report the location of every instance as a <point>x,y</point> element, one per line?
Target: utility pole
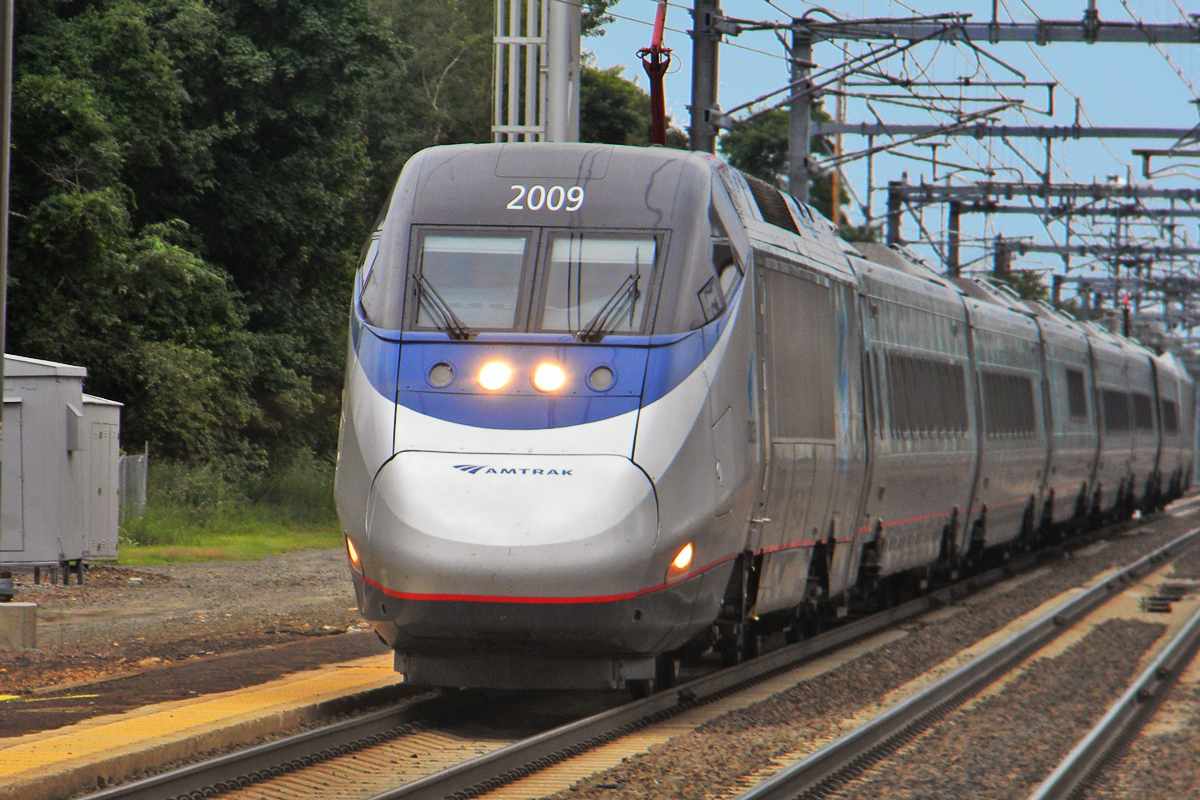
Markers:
<point>952,257</point>
<point>562,76</point>
<point>895,205</point>
<point>799,115</point>
<point>6,71</point>
<point>705,70</point>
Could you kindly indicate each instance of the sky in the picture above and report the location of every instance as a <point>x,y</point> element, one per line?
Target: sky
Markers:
<point>1116,84</point>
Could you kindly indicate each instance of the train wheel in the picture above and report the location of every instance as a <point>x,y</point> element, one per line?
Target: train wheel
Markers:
<point>641,689</point>
<point>666,672</point>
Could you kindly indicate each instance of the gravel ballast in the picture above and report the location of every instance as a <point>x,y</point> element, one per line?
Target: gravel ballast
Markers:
<point>1004,745</point>
<point>719,758</point>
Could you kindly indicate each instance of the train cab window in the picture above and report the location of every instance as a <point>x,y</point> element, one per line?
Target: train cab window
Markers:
<point>1143,412</point>
<point>726,266</point>
<point>597,282</point>
<point>470,280</point>
<point>1170,417</point>
<point>1076,395</point>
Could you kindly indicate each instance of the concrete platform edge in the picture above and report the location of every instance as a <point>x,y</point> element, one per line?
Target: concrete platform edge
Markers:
<point>77,779</point>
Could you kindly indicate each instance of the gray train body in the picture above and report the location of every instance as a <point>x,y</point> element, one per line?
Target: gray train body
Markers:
<point>807,422</point>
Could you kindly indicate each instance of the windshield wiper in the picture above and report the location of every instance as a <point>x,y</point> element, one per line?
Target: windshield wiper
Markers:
<point>622,300</point>
<point>439,308</point>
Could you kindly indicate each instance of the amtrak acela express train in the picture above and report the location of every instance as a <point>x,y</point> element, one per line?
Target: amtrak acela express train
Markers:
<point>605,404</point>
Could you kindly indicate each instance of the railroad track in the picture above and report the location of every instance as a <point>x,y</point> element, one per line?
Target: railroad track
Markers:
<point>834,769</point>
<point>337,748</point>
<point>1121,723</point>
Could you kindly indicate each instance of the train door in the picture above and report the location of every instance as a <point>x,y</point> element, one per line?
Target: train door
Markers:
<point>799,390</point>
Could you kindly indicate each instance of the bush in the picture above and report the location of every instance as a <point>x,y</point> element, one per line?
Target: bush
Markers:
<point>190,504</point>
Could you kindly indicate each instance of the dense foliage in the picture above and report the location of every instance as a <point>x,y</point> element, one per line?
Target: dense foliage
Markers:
<point>760,148</point>
<point>615,110</point>
<point>191,183</point>
<point>189,180</point>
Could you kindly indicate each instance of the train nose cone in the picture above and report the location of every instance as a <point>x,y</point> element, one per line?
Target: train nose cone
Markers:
<point>501,526</point>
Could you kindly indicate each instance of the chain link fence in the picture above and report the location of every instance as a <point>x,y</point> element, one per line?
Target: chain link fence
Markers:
<point>134,470</point>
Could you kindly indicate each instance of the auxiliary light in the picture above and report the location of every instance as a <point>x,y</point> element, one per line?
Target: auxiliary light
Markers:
<point>681,563</point>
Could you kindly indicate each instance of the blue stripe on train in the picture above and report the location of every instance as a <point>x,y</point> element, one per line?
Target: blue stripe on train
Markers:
<point>646,368</point>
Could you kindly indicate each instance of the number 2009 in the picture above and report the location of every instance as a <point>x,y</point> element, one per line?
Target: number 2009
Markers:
<point>554,198</point>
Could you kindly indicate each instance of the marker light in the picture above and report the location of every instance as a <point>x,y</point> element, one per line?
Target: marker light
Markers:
<point>494,375</point>
<point>549,377</point>
<point>354,562</point>
<point>681,563</point>
<point>602,379</point>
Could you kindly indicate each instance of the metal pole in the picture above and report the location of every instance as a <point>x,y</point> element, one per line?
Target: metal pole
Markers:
<point>6,59</point>
<point>562,84</point>
<point>800,115</point>
<point>705,69</point>
<point>895,189</point>
<point>1003,256</point>
<point>952,245</point>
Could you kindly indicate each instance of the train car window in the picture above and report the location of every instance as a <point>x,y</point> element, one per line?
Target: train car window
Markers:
<point>927,397</point>
<point>1116,411</point>
<point>1170,417</point>
<point>595,279</point>
<point>1143,412</point>
<point>800,347</point>
<point>1008,408</point>
<point>476,275</point>
<point>771,205</point>
<point>1076,395</point>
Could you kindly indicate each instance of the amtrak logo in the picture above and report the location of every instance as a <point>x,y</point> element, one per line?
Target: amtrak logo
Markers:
<point>473,469</point>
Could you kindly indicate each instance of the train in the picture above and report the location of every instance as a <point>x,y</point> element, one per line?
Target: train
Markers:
<point>607,406</point>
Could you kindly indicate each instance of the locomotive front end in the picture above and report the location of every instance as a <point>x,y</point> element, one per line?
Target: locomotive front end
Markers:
<point>499,529</point>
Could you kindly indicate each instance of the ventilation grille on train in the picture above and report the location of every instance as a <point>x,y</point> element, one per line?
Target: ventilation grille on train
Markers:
<point>771,205</point>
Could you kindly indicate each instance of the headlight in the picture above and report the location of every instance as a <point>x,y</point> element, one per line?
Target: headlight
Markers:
<point>494,375</point>
<point>549,377</point>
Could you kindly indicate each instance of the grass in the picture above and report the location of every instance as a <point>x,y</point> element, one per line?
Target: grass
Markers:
<point>195,514</point>
<point>246,544</point>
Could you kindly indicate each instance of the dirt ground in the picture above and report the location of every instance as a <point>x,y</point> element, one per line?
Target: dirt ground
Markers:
<point>177,631</point>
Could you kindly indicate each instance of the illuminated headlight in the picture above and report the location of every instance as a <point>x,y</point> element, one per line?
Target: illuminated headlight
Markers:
<point>682,563</point>
<point>352,552</point>
<point>494,375</point>
<point>549,377</point>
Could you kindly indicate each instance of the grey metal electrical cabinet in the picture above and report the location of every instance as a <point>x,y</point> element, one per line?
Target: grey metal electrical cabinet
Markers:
<point>59,482</point>
<point>103,420</point>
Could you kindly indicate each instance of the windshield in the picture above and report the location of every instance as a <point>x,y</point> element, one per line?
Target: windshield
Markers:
<point>587,273</point>
<point>477,276</point>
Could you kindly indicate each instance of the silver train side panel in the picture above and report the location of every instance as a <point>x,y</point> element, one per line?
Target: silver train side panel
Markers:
<point>921,477</point>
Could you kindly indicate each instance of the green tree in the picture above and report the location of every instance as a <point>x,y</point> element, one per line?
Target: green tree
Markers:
<point>595,16</point>
<point>615,110</point>
<point>188,188</point>
<point>1027,283</point>
<point>760,148</point>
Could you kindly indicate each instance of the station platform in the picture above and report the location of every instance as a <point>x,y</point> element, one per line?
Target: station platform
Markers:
<point>106,749</point>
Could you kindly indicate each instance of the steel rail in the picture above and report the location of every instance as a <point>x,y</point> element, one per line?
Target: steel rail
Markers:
<point>881,735</point>
<point>514,761</point>
<point>1125,717</point>
<point>278,757</point>
<point>520,759</point>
